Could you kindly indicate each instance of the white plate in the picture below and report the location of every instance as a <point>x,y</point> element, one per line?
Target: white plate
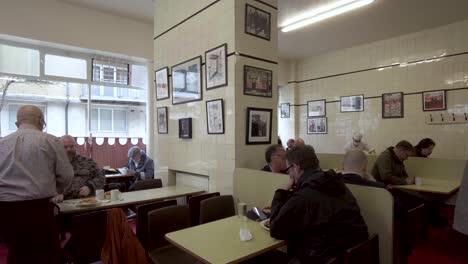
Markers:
<point>265,224</point>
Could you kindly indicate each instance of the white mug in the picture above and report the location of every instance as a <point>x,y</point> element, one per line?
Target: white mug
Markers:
<point>418,181</point>
<point>100,194</point>
<point>115,195</point>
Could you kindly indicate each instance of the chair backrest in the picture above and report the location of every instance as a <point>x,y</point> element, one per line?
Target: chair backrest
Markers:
<point>165,220</point>
<point>216,208</point>
<point>142,218</point>
<point>194,205</point>
<point>88,234</point>
<point>147,184</point>
<point>365,253</point>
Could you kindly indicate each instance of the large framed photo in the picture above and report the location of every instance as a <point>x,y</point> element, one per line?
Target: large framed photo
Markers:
<point>285,110</point>
<point>434,100</point>
<point>185,127</point>
<point>392,105</point>
<point>317,125</point>
<point>257,81</point>
<point>162,120</point>
<point>216,67</point>
<point>161,81</point>
<point>215,116</point>
<point>186,81</point>
<point>258,126</point>
<point>316,108</point>
<point>353,103</point>
<point>257,22</point>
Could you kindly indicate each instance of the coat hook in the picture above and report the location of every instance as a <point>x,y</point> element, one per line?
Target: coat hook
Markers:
<point>453,116</point>
<point>442,117</point>
<point>430,116</point>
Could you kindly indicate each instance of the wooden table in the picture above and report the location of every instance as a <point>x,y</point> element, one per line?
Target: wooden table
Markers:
<point>434,186</point>
<point>219,242</point>
<point>132,198</point>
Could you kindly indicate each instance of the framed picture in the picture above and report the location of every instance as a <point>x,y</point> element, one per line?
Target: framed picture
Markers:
<point>434,100</point>
<point>316,108</point>
<point>353,103</point>
<point>216,67</point>
<point>257,22</point>
<point>215,116</point>
<point>186,81</point>
<point>258,126</point>
<point>162,120</point>
<point>185,127</point>
<point>285,110</point>
<point>317,125</point>
<point>161,81</point>
<point>257,81</point>
<point>392,105</point>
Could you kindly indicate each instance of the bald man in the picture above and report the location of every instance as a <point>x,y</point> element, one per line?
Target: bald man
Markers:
<point>88,177</point>
<point>299,143</point>
<point>33,168</point>
<point>355,169</point>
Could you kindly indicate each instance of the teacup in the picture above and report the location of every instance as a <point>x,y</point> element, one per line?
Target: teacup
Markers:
<point>116,195</point>
<point>100,194</point>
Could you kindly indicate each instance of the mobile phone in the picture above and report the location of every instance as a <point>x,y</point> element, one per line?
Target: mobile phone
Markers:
<point>261,215</point>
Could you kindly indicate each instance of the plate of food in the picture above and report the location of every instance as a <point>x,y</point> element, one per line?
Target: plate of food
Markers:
<point>265,224</point>
<point>88,202</point>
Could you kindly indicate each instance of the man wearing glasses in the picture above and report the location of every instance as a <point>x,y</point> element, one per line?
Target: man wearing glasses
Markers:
<point>274,156</point>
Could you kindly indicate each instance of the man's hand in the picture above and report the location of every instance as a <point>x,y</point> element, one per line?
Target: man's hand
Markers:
<point>131,172</point>
<point>58,198</point>
<point>85,191</point>
<point>289,185</point>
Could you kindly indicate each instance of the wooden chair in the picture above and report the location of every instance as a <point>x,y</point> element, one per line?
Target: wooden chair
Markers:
<point>160,222</point>
<point>216,208</point>
<point>142,218</point>
<point>194,205</point>
<point>147,184</point>
<point>365,253</point>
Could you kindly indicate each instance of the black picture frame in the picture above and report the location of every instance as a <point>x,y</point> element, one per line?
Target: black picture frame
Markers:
<point>258,126</point>
<point>161,78</point>
<point>317,125</point>
<point>162,119</point>
<point>257,22</point>
<point>263,78</point>
<point>215,110</point>
<point>185,127</point>
<point>285,109</point>
<point>179,76</point>
<point>393,105</point>
<point>434,104</point>
<point>211,62</point>
<point>351,107</point>
<point>317,103</point>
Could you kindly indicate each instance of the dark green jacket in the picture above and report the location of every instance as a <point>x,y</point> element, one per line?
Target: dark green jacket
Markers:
<point>389,169</point>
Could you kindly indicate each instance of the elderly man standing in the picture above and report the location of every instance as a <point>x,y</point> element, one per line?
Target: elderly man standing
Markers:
<point>140,165</point>
<point>88,177</point>
<point>357,144</point>
<point>33,167</point>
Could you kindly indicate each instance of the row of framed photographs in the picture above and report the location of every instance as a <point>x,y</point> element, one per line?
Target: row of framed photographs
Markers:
<point>392,104</point>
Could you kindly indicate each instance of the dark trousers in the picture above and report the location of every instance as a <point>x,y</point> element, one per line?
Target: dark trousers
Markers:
<point>29,229</point>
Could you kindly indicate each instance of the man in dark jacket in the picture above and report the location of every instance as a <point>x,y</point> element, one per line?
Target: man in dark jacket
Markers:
<point>320,218</point>
<point>389,167</point>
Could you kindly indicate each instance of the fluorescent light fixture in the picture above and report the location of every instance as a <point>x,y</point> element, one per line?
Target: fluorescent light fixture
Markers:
<point>324,13</point>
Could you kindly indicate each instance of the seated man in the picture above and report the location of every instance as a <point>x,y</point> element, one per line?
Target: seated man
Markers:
<point>88,177</point>
<point>274,156</point>
<point>389,167</point>
<point>140,165</point>
<point>320,218</point>
<point>290,143</point>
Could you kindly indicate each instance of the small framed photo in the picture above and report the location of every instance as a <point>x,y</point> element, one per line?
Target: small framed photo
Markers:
<point>161,81</point>
<point>258,126</point>
<point>257,22</point>
<point>215,116</point>
<point>285,110</point>
<point>316,108</point>
<point>353,103</point>
<point>257,81</point>
<point>162,120</point>
<point>216,67</point>
<point>187,81</point>
<point>392,105</point>
<point>185,127</point>
<point>434,100</point>
<point>317,125</point>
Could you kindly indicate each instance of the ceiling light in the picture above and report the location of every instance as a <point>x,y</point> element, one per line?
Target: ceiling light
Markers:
<point>324,13</point>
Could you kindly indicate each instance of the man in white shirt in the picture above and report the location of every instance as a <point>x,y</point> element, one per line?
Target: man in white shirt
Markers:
<point>357,144</point>
<point>33,167</point>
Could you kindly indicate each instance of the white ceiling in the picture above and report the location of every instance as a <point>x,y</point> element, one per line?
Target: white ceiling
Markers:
<point>381,20</point>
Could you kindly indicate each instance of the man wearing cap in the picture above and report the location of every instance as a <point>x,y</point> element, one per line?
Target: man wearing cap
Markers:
<point>357,144</point>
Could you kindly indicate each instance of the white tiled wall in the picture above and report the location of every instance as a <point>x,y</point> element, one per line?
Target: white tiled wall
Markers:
<point>452,140</point>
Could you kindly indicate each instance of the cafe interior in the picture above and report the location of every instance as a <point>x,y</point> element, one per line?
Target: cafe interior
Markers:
<point>205,87</point>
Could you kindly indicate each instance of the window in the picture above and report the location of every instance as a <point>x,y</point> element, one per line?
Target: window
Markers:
<point>108,120</point>
<point>13,109</point>
<point>110,72</point>
<point>65,67</point>
<point>18,60</point>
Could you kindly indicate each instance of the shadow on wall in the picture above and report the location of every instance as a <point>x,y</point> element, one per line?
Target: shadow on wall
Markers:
<point>108,151</point>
